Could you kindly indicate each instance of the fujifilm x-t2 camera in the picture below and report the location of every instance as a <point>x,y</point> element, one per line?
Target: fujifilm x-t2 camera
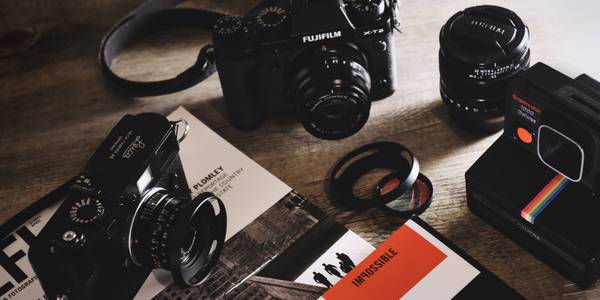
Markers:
<point>324,59</point>
<point>128,212</point>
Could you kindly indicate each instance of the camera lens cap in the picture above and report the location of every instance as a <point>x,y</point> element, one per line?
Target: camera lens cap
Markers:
<point>403,191</point>
<point>484,33</point>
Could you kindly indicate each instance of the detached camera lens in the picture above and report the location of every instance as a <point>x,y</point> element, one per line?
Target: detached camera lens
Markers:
<point>331,87</point>
<point>481,49</point>
<point>184,237</point>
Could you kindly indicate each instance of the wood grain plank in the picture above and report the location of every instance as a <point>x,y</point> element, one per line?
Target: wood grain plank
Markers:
<point>55,109</point>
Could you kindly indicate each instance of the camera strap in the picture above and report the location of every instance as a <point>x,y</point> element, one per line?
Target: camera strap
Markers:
<point>149,18</point>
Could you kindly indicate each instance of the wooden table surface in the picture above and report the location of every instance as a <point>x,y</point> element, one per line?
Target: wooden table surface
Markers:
<point>55,109</point>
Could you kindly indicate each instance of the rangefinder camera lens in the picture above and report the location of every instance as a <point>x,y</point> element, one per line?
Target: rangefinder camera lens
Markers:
<point>182,236</point>
<point>481,49</point>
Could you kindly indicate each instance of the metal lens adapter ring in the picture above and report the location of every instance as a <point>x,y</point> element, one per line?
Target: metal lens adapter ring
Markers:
<point>197,240</point>
<point>360,161</point>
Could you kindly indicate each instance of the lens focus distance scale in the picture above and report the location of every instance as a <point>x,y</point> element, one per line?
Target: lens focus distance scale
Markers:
<point>160,234</point>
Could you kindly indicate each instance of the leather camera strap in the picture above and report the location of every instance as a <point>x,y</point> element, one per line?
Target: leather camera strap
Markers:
<point>148,18</point>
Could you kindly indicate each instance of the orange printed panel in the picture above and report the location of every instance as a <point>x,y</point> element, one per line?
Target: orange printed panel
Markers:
<point>391,270</point>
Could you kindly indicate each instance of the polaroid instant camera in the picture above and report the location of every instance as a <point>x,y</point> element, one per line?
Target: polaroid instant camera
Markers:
<point>324,59</point>
<point>539,183</point>
<point>129,212</point>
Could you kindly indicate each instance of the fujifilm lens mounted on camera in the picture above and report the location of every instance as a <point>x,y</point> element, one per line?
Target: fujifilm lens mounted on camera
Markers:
<point>130,211</point>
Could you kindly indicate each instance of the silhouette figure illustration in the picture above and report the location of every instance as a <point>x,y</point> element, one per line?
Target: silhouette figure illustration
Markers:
<point>345,267</point>
<point>320,278</point>
<point>345,259</point>
<point>332,270</point>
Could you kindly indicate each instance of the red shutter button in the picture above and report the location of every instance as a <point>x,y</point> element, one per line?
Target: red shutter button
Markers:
<point>524,135</point>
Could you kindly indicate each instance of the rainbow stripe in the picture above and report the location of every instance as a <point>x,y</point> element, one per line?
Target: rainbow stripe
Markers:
<point>543,198</point>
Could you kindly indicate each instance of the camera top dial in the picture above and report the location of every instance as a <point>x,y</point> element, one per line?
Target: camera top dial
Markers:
<point>271,21</point>
<point>86,210</point>
<point>366,11</point>
<point>228,26</point>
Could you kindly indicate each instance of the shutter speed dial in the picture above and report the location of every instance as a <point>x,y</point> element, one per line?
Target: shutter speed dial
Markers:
<point>271,21</point>
<point>86,210</point>
<point>271,16</point>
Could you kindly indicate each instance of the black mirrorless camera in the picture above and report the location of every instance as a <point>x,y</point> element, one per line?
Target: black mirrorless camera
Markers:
<point>539,183</point>
<point>324,59</point>
<point>128,212</point>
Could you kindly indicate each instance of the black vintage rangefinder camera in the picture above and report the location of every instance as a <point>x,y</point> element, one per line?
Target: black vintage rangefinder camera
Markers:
<point>128,212</point>
<point>558,119</point>
<point>324,59</point>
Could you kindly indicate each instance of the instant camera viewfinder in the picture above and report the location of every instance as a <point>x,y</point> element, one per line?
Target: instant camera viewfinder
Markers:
<point>130,211</point>
<point>539,182</point>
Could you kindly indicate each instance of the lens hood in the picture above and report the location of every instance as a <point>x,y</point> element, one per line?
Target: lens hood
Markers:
<point>197,238</point>
<point>357,163</point>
